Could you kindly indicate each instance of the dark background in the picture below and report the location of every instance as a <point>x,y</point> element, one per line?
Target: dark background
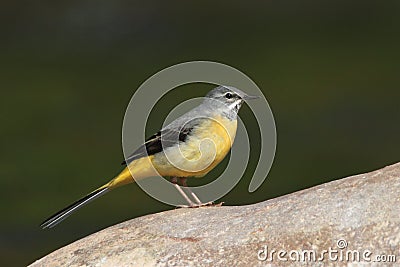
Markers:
<point>330,70</point>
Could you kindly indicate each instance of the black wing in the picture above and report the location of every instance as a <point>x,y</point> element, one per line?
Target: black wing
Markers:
<point>154,145</point>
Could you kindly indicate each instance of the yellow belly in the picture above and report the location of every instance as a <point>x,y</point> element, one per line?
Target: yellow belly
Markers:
<point>206,146</point>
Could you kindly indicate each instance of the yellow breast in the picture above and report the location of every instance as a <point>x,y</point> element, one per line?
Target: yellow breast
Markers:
<point>205,147</point>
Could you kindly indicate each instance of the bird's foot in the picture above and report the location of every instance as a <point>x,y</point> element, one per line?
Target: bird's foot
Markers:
<point>199,205</point>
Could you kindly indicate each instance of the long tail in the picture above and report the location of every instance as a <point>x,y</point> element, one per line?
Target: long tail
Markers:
<point>64,213</point>
<point>122,179</point>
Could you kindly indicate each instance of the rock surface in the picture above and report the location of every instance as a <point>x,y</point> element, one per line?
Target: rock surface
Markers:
<point>358,215</point>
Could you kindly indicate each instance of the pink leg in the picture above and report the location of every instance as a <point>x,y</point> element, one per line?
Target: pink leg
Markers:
<point>183,182</point>
<point>174,180</point>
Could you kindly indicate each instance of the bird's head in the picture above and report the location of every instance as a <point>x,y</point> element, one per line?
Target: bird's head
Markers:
<point>228,99</point>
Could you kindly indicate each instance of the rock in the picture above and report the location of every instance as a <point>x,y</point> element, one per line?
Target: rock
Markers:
<point>358,215</point>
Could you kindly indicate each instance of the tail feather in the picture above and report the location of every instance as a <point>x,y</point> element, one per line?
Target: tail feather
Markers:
<point>63,214</point>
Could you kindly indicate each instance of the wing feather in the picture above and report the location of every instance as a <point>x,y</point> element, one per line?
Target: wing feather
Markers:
<point>154,144</point>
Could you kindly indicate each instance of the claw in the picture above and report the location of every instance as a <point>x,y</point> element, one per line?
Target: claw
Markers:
<point>208,204</point>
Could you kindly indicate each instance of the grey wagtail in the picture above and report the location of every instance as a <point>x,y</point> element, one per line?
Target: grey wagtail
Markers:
<point>179,150</point>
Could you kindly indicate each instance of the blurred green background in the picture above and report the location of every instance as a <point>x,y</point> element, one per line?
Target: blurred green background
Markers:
<point>330,70</point>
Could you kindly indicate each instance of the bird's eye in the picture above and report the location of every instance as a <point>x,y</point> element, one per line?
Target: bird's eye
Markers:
<point>228,95</point>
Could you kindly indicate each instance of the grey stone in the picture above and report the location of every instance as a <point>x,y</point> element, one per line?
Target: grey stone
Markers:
<point>359,213</point>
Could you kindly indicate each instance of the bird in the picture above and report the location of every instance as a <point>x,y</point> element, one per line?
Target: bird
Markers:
<point>190,146</point>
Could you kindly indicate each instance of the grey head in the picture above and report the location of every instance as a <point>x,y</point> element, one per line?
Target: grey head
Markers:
<point>227,100</point>
<point>222,100</point>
